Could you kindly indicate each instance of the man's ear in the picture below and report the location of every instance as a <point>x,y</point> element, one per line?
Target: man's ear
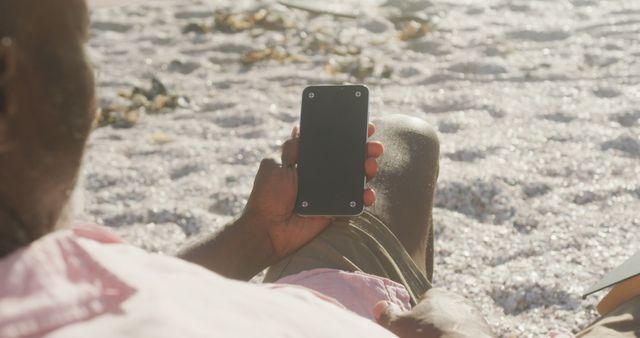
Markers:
<point>6,47</point>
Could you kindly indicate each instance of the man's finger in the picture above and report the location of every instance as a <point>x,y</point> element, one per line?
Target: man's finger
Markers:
<point>371,129</point>
<point>385,313</point>
<point>266,167</point>
<point>290,152</point>
<point>370,167</point>
<point>375,149</point>
<point>369,197</point>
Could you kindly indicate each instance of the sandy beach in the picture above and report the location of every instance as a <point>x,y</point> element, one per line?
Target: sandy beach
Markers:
<point>537,106</point>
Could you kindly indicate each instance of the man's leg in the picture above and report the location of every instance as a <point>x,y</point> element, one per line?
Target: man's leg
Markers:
<point>406,182</point>
<point>405,188</point>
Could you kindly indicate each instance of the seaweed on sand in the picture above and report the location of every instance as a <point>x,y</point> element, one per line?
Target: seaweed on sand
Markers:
<point>359,68</point>
<point>226,21</point>
<point>270,53</point>
<point>155,100</point>
<point>414,29</point>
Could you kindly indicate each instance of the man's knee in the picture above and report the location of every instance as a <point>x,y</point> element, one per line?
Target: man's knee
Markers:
<point>414,132</point>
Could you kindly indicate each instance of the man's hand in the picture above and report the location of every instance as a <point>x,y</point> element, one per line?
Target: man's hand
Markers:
<point>270,209</point>
<point>268,229</point>
<point>438,314</point>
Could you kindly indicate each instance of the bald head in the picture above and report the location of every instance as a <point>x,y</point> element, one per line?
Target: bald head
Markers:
<point>46,112</point>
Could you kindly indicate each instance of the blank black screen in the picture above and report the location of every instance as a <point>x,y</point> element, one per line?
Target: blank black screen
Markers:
<point>333,136</point>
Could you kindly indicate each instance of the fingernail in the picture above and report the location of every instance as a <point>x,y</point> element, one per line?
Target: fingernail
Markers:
<point>379,308</point>
<point>294,132</point>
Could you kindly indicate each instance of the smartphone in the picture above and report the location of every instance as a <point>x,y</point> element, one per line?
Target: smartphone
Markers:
<point>332,150</point>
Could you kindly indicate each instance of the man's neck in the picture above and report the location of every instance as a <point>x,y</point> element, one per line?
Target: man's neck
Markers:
<point>13,233</point>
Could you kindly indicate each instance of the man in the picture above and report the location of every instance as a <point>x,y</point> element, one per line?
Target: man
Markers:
<point>86,282</point>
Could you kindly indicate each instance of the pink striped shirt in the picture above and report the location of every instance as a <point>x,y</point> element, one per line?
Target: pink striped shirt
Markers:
<point>86,282</point>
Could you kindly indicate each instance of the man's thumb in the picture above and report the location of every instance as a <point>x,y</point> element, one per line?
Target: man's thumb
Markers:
<point>385,313</point>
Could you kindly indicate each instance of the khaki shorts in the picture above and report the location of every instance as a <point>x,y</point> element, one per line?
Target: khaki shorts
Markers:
<point>362,243</point>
